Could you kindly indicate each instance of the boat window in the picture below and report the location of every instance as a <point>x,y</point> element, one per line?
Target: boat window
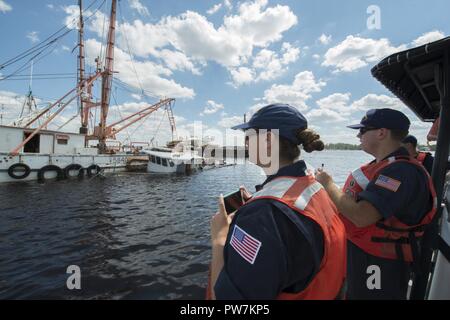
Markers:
<point>61,141</point>
<point>171,163</point>
<point>164,162</point>
<point>158,160</point>
<point>152,159</point>
<point>31,146</point>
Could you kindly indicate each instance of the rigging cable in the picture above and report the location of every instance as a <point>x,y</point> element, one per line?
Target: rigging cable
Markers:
<point>160,122</point>
<point>103,37</point>
<point>44,43</point>
<point>129,51</point>
<point>120,114</point>
<point>43,46</point>
<point>132,89</point>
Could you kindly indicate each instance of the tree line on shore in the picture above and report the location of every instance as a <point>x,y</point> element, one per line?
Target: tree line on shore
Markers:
<point>342,146</point>
<point>347,146</point>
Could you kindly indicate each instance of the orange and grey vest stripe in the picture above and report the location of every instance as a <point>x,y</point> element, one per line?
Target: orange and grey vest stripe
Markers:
<point>306,197</point>
<point>388,238</point>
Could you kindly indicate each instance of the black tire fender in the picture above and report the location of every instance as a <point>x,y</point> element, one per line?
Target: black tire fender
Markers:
<point>50,167</point>
<point>74,166</point>
<point>91,168</point>
<point>16,166</point>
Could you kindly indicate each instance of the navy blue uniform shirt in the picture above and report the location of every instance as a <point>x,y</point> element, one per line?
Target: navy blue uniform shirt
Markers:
<point>410,203</point>
<point>289,256</point>
<point>428,163</point>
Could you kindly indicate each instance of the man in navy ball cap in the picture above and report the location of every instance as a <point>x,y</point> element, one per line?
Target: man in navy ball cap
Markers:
<point>383,118</point>
<point>383,205</point>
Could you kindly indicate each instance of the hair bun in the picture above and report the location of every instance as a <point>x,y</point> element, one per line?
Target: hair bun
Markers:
<point>310,140</point>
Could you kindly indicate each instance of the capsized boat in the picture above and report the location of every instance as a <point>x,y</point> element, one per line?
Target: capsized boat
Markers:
<point>420,77</point>
<point>164,160</point>
<point>180,157</point>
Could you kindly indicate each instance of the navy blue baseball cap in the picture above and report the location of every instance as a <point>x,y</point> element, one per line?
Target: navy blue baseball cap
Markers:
<point>410,139</point>
<point>383,118</point>
<point>283,117</point>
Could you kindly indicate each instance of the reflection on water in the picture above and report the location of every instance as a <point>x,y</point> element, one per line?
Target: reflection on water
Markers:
<point>134,236</point>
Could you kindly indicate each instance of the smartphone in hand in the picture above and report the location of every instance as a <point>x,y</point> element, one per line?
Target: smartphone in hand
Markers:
<point>233,201</point>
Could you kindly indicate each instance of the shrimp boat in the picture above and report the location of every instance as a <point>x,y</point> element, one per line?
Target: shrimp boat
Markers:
<point>30,152</point>
<point>420,77</point>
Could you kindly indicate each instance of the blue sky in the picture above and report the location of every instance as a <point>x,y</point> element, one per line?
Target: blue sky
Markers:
<point>221,59</point>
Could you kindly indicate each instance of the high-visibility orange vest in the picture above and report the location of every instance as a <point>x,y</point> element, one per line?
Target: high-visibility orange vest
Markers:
<point>388,238</point>
<point>306,196</point>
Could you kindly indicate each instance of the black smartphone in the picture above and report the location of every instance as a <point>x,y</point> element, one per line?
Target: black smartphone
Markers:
<point>233,201</point>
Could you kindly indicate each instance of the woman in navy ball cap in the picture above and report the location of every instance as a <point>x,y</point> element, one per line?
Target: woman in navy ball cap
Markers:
<point>286,241</point>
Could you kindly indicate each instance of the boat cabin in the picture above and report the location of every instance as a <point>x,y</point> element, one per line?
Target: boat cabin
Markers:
<point>44,142</point>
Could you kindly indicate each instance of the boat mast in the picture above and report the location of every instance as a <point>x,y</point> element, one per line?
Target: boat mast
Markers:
<point>107,78</point>
<point>81,68</point>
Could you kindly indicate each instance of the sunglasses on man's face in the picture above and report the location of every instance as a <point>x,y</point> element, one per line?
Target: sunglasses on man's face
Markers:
<point>365,129</point>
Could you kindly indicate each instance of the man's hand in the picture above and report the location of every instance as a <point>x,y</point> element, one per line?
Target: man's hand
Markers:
<point>324,178</point>
<point>361,213</point>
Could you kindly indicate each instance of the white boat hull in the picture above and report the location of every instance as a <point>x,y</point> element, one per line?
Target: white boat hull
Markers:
<point>177,168</point>
<point>108,163</point>
<point>440,281</point>
<point>165,160</point>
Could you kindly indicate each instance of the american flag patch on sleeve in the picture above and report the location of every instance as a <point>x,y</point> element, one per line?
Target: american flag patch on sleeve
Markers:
<point>244,244</point>
<point>388,183</point>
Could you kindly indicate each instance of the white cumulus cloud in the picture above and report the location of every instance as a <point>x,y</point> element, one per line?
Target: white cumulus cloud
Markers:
<point>139,7</point>
<point>150,74</point>
<point>33,36</point>
<point>214,9</point>
<point>229,122</point>
<point>428,37</point>
<point>212,107</point>
<point>355,52</point>
<point>188,41</point>
<point>241,76</point>
<point>324,116</point>
<point>295,94</point>
<point>266,65</point>
<point>4,7</point>
<point>324,39</point>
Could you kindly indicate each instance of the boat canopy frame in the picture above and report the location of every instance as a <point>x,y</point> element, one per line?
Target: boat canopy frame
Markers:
<point>420,77</point>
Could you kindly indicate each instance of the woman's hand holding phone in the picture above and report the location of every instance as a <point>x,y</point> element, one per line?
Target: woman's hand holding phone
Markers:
<point>220,224</point>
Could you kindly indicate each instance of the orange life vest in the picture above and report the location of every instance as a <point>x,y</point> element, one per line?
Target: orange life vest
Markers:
<point>388,238</point>
<point>307,197</point>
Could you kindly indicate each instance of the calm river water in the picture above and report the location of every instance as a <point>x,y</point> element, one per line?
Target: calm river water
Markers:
<point>134,236</point>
